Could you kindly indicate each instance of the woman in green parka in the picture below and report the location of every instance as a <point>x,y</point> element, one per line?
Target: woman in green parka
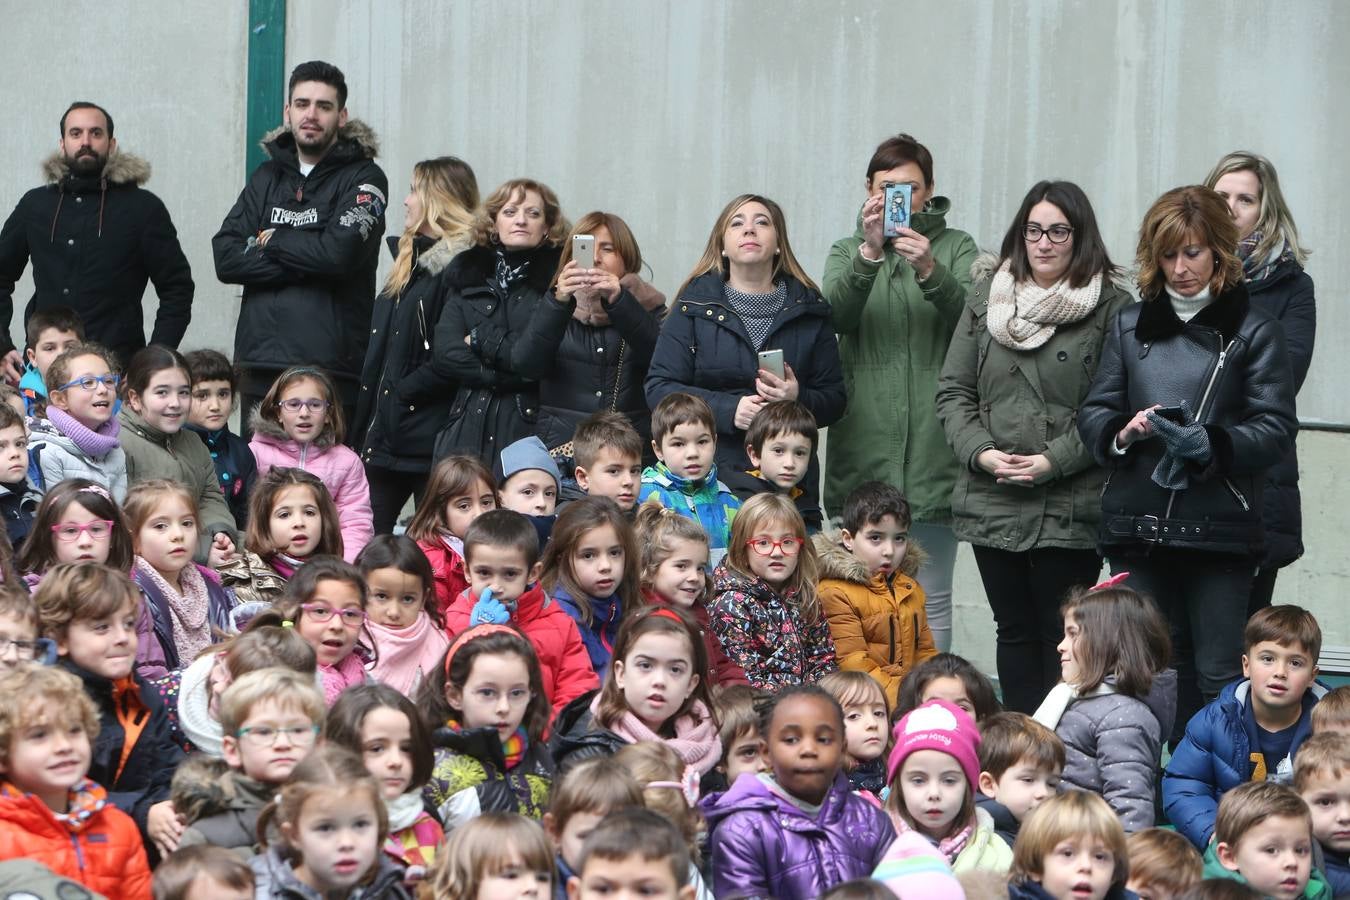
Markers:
<point>896,302</point>
<point>1021,362</point>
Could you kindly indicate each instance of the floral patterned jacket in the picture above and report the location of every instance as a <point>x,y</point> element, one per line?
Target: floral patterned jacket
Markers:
<point>470,777</point>
<point>763,632</point>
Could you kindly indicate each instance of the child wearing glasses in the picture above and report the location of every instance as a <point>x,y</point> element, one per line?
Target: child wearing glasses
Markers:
<point>765,610</point>
<point>326,604</point>
<point>76,522</point>
<point>270,721</point>
<point>19,641</point>
<point>79,438</point>
<point>299,424</point>
<point>156,397</point>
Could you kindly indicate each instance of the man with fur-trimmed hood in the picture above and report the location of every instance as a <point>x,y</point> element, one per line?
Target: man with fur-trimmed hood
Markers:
<point>95,237</point>
<point>303,239</point>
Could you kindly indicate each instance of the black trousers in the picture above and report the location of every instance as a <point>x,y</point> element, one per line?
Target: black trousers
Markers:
<point>1263,591</point>
<point>1025,591</point>
<point>389,492</point>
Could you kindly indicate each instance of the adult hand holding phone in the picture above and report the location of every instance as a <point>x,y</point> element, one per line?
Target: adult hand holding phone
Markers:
<point>572,280</point>
<point>916,249</point>
<point>771,388</point>
<point>874,242</point>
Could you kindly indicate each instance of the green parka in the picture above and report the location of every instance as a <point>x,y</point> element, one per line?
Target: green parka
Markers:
<point>893,337</point>
<point>1026,403</point>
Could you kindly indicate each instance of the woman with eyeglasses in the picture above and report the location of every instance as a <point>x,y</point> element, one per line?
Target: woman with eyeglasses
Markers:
<point>1193,402</point>
<point>1272,266</point>
<point>1019,365</point>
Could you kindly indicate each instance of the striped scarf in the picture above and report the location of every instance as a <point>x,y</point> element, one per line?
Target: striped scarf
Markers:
<point>86,799</point>
<point>513,747</point>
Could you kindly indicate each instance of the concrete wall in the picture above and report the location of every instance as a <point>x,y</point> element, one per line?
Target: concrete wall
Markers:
<point>662,111</point>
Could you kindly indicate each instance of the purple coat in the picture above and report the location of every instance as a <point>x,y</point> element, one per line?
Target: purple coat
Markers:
<point>764,846</point>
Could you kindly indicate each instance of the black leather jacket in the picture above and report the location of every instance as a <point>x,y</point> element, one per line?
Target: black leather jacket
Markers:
<point>1231,366</point>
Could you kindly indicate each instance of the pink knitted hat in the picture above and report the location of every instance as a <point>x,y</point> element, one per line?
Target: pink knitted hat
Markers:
<point>937,725</point>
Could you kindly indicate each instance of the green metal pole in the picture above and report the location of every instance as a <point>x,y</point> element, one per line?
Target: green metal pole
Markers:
<point>266,75</point>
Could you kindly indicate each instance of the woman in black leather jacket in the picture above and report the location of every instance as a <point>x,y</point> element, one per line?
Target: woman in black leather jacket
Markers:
<point>1192,403</point>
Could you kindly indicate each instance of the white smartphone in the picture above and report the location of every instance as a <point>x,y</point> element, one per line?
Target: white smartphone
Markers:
<point>772,361</point>
<point>583,250</point>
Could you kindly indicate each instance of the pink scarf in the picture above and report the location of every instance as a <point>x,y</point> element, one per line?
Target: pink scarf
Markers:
<point>950,846</point>
<point>188,608</point>
<point>404,656</point>
<point>336,679</point>
<point>695,741</point>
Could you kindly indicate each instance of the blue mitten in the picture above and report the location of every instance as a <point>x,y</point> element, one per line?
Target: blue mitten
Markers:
<point>488,611</point>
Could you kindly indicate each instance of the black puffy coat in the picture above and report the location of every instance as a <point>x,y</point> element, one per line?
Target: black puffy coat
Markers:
<point>576,736</point>
<point>94,242</point>
<point>308,293</point>
<point>1231,366</point>
<point>496,403</point>
<point>1287,295</point>
<point>584,369</point>
<point>404,401</point>
<point>705,350</point>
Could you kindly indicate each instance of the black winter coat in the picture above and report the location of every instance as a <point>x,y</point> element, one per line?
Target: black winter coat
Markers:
<point>94,243</point>
<point>308,293</point>
<point>705,350</point>
<point>404,400</point>
<point>497,402</point>
<point>1231,366</point>
<point>584,369</point>
<point>1287,295</point>
<point>577,738</point>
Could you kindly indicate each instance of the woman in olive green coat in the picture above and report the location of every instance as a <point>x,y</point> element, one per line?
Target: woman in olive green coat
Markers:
<point>1019,366</point>
<point>896,302</point>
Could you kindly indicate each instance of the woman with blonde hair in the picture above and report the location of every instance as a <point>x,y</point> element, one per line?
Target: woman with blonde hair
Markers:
<point>490,292</point>
<point>748,294</point>
<point>1272,264</point>
<point>404,398</point>
<point>1192,403</point>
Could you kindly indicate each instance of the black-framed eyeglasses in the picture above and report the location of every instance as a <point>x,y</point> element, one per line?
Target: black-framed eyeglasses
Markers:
<point>91,382</point>
<point>1057,234</point>
<point>26,651</point>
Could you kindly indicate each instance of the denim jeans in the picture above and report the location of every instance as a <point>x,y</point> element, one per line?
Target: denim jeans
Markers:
<point>939,542</point>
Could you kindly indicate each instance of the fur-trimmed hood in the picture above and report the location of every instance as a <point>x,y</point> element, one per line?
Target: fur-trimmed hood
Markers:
<point>476,265</point>
<point>836,562</point>
<point>432,255</point>
<point>273,433</point>
<point>121,168</point>
<point>361,137</point>
<point>205,786</point>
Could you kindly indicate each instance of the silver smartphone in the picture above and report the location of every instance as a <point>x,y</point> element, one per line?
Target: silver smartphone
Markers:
<point>772,361</point>
<point>583,250</point>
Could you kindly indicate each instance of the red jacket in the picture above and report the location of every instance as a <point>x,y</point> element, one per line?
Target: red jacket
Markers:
<point>720,666</point>
<point>104,854</point>
<point>562,655</point>
<point>447,569</point>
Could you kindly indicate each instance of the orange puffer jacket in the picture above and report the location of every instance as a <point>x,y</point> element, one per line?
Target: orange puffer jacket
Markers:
<point>105,854</point>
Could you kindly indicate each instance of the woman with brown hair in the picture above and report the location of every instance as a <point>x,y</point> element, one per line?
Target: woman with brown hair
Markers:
<point>748,293</point>
<point>490,292</point>
<point>404,400</point>
<point>1192,403</point>
<point>591,339</point>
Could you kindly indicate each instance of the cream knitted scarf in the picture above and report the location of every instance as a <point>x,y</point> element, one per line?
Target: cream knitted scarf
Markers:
<point>1023,316</point>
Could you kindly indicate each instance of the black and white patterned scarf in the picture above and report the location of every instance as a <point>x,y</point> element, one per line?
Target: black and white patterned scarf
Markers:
<point>757,311</point>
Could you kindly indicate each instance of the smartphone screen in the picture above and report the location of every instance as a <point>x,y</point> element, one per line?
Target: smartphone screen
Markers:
<point>895,212</point>
<point>583,250</point>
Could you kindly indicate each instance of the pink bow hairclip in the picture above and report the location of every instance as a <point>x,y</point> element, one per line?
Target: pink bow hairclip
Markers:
<point>688,786</point>
<point>1113,581</point>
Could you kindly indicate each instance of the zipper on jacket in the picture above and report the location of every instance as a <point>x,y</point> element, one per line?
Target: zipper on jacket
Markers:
<point>1200,417</point>
<point>891,657</point>
<point>304,452</point>
<point>79,851</point>
<point>1237,494</point>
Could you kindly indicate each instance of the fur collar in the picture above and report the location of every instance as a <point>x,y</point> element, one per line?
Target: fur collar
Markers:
<point>836,562</point>
<point>275,434</point>
<point>436,257</point>
<point>1157,319</point>
<point>358,134</point>
<point>121,168</point>
<point>476,265</point>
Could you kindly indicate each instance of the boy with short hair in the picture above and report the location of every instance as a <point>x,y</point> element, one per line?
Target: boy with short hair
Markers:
<point>50,811</point>
<point>1255,726</point>
<point>90,611</point>
<point>1332,712</point>
<point>1322,779</point>
<point>779,442</point>
<point>528,483</point>
<point>869,591</point>
<point>49,332</point>
<point>203,872</point>
<point>738,730</point>
<point>1163,864</point>
<point>270,719</point>
<point>1263,838</point>
<point>215,385</point>
<point>19,497</point>
<point>684,436</point>
<point>501,561</point>
<point>637,853</point>
<point>607,452</point>
<point>19,641</point>
<point>583,797</point>
<point>1020,764</point>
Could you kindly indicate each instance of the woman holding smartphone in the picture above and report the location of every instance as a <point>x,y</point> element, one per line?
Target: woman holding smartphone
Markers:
<point>896,303</point>
<point>592,336</point>
<point>1020,363</point>
<point>746,294</point>
<point>491,291</point>
<point>1192,403</point>
<point>1272,266</point>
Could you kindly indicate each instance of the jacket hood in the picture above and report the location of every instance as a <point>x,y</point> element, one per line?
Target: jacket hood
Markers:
<point>360,138</point>
<point>474,266</point>
<point>1161,700</point>
<point>269,432</point>
<point>836,562</point>
<point>930,221</point>
<point>44,430</point>
<point>749,792</point>
<point>205,786</point>
<point>121,168</point>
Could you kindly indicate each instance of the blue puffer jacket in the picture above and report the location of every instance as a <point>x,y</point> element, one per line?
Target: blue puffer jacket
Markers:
<point>599,635</point>
<point>1216,756</point>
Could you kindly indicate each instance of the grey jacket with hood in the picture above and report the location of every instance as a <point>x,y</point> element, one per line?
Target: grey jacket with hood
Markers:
<point>59,459</point>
